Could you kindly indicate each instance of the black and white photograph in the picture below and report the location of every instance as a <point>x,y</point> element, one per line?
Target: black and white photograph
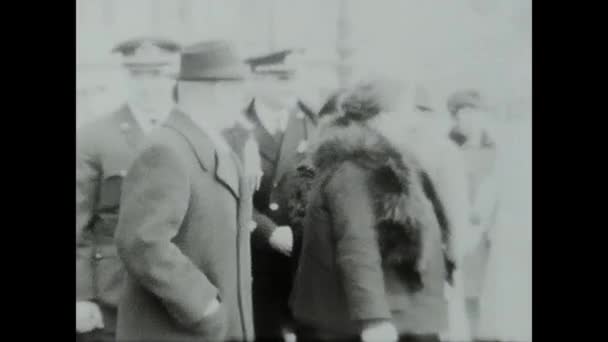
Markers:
<point>303,170</point>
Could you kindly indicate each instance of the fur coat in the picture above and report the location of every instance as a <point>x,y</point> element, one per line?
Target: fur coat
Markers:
<point>372,240</point>
<point>397,183</point>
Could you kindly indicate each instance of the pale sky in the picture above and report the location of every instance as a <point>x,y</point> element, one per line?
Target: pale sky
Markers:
<point>447,44</point>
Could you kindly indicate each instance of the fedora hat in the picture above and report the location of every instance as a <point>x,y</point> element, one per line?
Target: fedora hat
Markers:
<point>214,60</point>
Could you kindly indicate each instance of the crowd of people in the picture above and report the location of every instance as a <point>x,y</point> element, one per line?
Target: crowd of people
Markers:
<point>219,205</point>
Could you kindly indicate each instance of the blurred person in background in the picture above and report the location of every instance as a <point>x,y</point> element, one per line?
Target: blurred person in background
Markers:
<point>506,298</point>
<point>105,149</point>
<point>373,260</point>
<point>499,270</point>
<point>281,124</point>
<point>183,227</point>
<point>471,133</point>
<point>425,131</point>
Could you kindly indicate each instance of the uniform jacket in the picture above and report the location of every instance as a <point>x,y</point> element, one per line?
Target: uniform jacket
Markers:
<point>184,238</point>
<point>105,150</point>
<point>280,155</point>
<point>373,245</point>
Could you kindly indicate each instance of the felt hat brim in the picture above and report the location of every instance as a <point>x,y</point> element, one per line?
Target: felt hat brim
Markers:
<point>215,74</point>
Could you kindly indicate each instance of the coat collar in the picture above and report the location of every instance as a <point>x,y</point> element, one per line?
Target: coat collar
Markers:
<point>144,120</point>
<point>268,144</point>
<point>209,158</point>
<point>308,112</point>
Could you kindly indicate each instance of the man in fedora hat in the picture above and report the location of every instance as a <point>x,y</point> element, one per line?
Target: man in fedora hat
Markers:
<point>183,228</point>
<point>104,151</point>
<point>281,124</point>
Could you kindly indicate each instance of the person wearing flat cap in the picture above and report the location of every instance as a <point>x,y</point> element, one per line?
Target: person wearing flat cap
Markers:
<point>281,124</point>
<point>105,149</point>
<point>183,229</point>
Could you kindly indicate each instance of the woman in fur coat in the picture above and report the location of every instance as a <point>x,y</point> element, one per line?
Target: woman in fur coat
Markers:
<point>373,243</point>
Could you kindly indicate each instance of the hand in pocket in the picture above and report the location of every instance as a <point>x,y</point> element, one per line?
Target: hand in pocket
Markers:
<point>214,325</point>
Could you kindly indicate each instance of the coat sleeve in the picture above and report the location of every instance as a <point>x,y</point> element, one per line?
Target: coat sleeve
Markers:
<point>154,202</point>
<point>357,253</point>
<point>88,174</point>
<point>260,237</point>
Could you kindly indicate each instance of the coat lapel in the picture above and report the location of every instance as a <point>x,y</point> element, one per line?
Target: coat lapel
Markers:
<point>299,127</point>
<point>227,173</point>
<point>267,143</point>
<point>221,164</point>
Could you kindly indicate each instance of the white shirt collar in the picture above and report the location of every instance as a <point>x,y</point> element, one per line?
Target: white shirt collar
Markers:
<point>274,120</point>
<point>148,121</point>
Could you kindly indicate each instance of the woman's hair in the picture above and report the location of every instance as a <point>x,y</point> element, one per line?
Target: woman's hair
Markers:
<point>370,97</point>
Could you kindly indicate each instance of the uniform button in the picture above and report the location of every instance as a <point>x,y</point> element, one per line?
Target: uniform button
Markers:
<point>124,126</point>
<point>252,225</point>
<point>300,115</point>
<point>123,173</point>
<point>98,256</point>
<point>274,185</point>
<point>273,206</point>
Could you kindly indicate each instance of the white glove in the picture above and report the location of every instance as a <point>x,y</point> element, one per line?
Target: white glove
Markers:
<point>383,331</point>
<point>88,317</point>
<point>282,240</point>
<point>253,164</point>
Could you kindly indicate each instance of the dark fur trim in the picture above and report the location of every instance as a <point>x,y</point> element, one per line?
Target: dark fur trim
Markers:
<point>444,225</point>
<point>299,186</point>
<point>396,183</point>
